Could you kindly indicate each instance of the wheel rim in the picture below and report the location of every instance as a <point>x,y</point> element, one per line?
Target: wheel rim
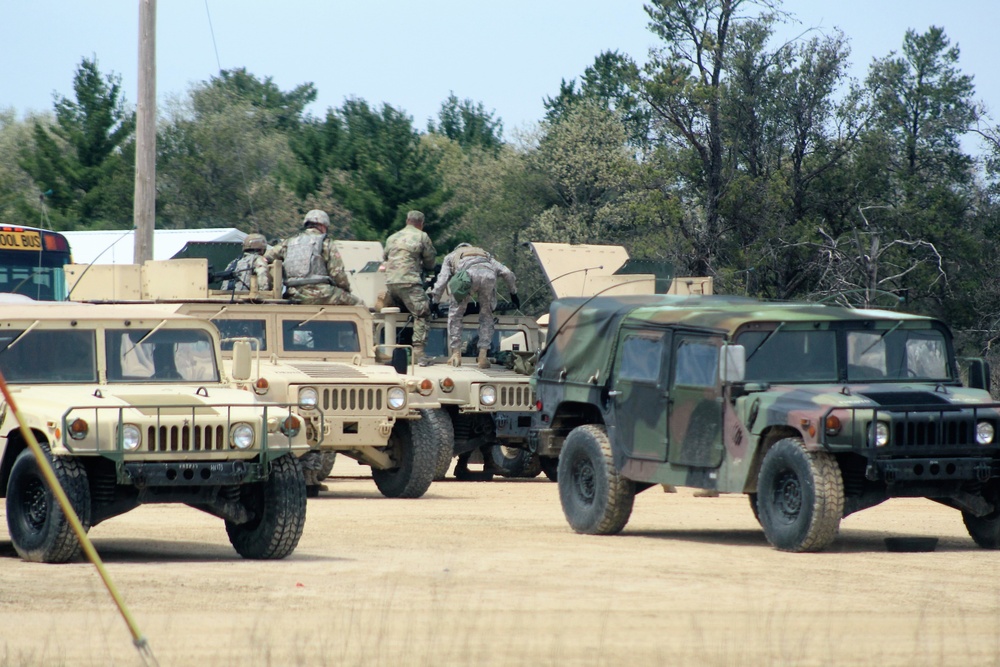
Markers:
<point>510,453</point>
<point>788,496</point>
<point>34,504</point>
<point>584,480</point>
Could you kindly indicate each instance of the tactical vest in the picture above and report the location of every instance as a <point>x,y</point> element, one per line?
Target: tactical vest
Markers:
<point>469,257</point>
<point>241,268</point>
<point>304,263</point>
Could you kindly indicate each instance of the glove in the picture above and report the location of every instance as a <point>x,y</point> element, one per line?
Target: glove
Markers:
<point>516,300</point>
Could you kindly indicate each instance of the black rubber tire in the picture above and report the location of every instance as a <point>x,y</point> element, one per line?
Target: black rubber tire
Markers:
<point>416,452</point>
<point>442,430</point>
<point>595,498</point>
<point>752,497</point>
<point>985,530</point>
<point>278,506</point>
<point>39,530</point>
<point>327,460</point>
<point>510,461</point>
<point>550,466</point>
<point>533,468</point>
<point>800,497</point>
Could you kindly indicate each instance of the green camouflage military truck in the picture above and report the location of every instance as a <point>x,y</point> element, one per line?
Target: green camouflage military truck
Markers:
<point>813,411</point>
<point>487,410</point>
<point>131,406</point>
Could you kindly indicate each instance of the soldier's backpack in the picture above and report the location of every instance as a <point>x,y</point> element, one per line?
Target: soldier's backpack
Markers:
<point>460,285</point>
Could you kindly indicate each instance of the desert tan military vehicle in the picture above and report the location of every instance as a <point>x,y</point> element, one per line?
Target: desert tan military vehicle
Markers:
<point>318,357</point>
<point>488,410</point>
<point>132,406</point>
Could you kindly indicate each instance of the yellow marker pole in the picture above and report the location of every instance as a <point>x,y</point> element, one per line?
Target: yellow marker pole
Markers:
<point>88,548</point>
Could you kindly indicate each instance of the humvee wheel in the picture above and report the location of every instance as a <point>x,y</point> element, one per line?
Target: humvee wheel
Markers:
<point>416,453</point>
<point>985,530</point>
<point>596,499</point>
<point>752,497</point>
<point>443,434</point>
<point>278,507</point>
<point>326,465</point>
<point>39,530</point>
<point>550,466</point>
<point>800,497</point>
<point>533,467</point>
<point>511,461</point>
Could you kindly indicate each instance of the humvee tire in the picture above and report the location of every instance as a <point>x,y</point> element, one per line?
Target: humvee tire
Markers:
<point>327,460</point>
<point>800,497</point>
<point>278,507</point>
<point>533,467</point>
<point>413,446</point>
<point>39,530</point>
<point>752,497</point>
<point>595,498</point>
<point>985,530</point>
<point>514,462</point>
<point>440,429</point>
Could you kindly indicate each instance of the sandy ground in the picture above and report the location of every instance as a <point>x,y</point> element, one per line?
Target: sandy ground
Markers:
<point>489,573</point>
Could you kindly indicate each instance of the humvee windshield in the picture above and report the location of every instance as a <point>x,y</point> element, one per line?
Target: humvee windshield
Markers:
<point>437,341</point>
<point>230,329</point>
<point>168,355</point>
<point>858,354</point>
<point>44,356</point>
<point>319,336</point>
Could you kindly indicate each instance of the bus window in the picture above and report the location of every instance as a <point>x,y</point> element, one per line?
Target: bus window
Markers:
<point>31,262</point>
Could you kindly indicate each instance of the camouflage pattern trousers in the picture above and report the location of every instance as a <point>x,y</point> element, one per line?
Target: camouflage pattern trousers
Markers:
<point>484,289</point>
<point>323,294</point>
<point>415,299</point>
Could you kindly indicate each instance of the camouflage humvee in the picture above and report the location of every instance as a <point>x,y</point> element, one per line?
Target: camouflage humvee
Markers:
<point>318,357</point>
<point>488,410</point>
<point>813,411</point>
<point>132,407</point>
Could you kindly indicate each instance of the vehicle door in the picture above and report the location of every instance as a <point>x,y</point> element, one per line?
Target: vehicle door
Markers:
<point>639,393</point>
<point>696,404</point>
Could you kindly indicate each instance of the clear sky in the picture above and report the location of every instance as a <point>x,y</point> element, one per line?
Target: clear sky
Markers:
<point>508,55</point>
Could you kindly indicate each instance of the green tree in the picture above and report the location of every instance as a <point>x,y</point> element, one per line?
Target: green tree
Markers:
<point>85,159</point>
<point>469,124</point>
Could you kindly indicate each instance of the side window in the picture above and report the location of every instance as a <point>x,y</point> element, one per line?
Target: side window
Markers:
<point>229,329</point>
<point>697,364</point>
<point>641,357</point>
<point>320,336</point>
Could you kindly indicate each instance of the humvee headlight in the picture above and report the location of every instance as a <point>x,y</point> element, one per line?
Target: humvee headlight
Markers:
<point>426,387</point>
<point>447,385</point>
<point>131,437</point>
<point>241,435</point>
<point>396,397</point>
<point>985,433</point>
<point>78,429</point>
<point>308,397</point>
<point>488,395</point>
<point>878,434</point>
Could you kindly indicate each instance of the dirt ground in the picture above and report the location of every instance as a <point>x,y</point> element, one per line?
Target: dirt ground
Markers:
<point>489,573</point>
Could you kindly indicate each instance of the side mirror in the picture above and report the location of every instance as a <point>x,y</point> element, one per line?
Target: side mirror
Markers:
<point>978,373</point>
<point>242,360</point>
<point>401,360</point>
<point>733,363</point>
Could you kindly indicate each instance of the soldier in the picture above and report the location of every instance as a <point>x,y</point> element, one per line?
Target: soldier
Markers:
<point>252,263</point>
<point>408,252</point>
<point>314,271</point>
<point>482,271</point>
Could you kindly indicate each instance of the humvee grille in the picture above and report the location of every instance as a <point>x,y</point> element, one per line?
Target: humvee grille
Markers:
<point>352,399</point>
<point>186,438</point>
<point>517,397</point>
<point>915,433</point>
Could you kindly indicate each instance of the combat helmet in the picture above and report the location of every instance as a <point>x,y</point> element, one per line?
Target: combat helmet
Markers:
<point>316,217</point>
<point>254,242</point>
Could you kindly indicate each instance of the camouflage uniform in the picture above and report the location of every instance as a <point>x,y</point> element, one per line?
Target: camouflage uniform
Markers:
<point>408,253</point>
<point>251,263</point>
<point>483,270</point>
<point>314,271</point>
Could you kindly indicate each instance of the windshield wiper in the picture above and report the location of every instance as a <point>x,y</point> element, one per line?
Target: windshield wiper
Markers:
<point>145,336</point>
<point>21,335</point>
<point>766,338</point>
<point>879,339</point>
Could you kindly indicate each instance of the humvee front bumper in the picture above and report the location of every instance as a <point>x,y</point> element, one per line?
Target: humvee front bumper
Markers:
<point>144,474</point>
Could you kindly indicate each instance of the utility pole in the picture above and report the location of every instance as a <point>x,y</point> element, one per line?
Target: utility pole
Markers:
<point>144,208</point>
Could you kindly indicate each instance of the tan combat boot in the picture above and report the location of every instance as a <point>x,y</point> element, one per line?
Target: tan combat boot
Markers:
<point>482,361</point>
<point>456,357</point>
<point>420,357</point>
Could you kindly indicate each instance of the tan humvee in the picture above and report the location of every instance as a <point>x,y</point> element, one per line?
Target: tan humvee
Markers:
<point>320,358</point>
<point>132,405</point>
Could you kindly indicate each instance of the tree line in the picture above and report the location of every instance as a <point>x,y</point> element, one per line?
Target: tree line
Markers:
<point>762,164</point>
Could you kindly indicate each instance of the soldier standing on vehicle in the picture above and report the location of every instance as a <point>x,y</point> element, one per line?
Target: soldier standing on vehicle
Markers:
<point>252,263</point>
<point>471,273</point>
<point>408,253</point>
<point>314,271</point>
